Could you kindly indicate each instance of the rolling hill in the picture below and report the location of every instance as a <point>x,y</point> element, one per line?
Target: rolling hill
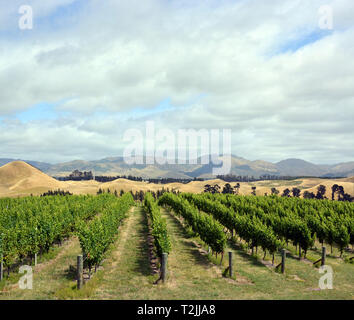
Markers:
<point>239,166</point>
<point>298,167</point>
<point>19,176</point>
<point>20,179</point>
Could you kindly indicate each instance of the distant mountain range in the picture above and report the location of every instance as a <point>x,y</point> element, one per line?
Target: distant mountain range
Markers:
<point>240,167</point>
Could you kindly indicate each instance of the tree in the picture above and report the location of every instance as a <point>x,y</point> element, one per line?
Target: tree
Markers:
<point>334,190</point>
<point>321,191</point>
<point>296,192</point>
<point>212,189</point>
<point>216,188</point>
<point>309,195</point>
<point>347,197</point>
<point>207,188</point>
<point>227,189</point>
<point>340,192</point>
<point>253,191</point>
<point>286,193</point>
<point>237,188</point>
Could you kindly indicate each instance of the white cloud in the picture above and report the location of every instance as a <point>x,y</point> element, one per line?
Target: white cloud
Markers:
<point>120,55</point>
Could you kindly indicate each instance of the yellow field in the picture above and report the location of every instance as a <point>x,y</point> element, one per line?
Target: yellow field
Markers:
<point>20,179</point>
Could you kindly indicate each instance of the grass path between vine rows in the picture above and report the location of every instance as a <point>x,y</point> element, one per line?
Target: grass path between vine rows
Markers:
<point>129,275</point>
<point>126,272</point>
<point>192,275</point>
<point>48,277</point>
<point>300,281</point>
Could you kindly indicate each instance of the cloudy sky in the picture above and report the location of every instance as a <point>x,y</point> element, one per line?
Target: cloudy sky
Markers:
<point>89,70</point>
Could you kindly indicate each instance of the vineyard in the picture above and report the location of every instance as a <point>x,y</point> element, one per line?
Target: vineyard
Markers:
<point>207,228</point>
<point>159,228</point>
<point>194,230</point>
<point>270,222</point>
<point>97,235</point>
<point>32,225</point>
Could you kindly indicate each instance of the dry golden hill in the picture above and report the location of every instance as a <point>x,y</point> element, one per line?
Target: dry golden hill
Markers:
<point>82,187</point>
<point>264,187</point>
<point>348,187</point>
<point>127,185</point>
<point>18,177</point>
<point>351,179</point>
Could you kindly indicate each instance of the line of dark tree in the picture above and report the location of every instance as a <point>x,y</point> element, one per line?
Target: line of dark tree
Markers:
<point>77,175</point>
<point>56,193</point>
<point>81,176</point>
<point>111,178</point>
<point>337,193</point>
<point>172,180</point>
<point>227,188</point>
<point>149,180</point>
<point>139,195</point>
<point>235,178</point>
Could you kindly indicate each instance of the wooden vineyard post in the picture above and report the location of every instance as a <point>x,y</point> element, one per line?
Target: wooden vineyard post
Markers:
<point>283,255</point>
<point>79,271</point>
<point>299,252</point>
<point>230,264</point>
<point>323,260</point>
<point>1,268</point>
<point>164,267</point>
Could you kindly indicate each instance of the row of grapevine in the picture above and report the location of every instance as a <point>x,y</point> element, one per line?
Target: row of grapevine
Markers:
<point>250,228</point>
<point>299,220</point>
<point>96,236</point>
<point>31,225</point>
<point>207,228</point>
<point>162,241</point>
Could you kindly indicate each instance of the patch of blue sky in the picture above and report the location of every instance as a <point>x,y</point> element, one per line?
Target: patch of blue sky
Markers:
<point>164,106</point>
<point>301,40</point>
<point>62,17</point>
<point>52,111</point>
<point>210,4</point>
<point>41,111</point>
